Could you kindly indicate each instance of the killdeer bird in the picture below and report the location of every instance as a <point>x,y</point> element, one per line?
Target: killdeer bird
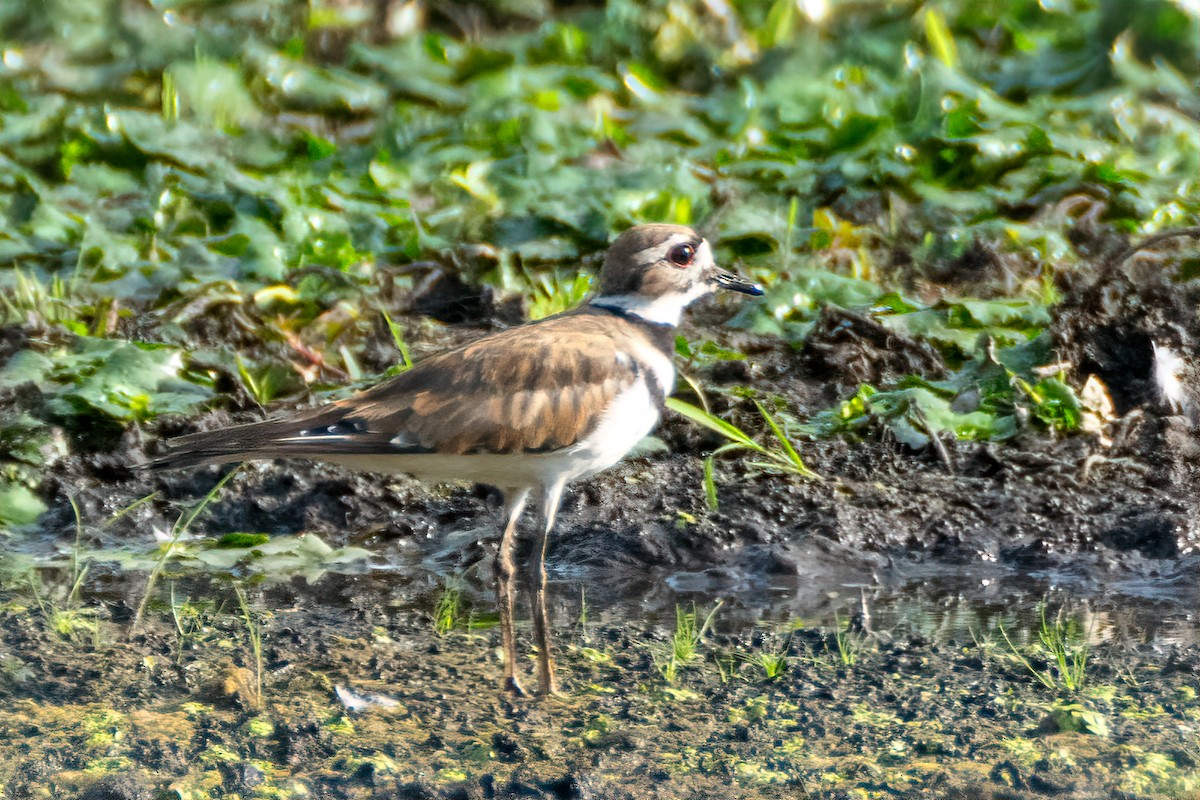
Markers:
<point>526,410</point>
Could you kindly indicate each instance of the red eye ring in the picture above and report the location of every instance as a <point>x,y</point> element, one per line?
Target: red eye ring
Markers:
<point>681,255</point>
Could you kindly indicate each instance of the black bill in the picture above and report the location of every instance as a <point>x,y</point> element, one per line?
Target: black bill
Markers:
<point>736,283</point>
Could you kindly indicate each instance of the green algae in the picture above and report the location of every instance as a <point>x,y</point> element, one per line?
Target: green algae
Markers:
<point>1155,773</point>
<point>895,723</point>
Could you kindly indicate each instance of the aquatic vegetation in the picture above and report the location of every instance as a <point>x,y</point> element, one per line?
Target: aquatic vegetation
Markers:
<point>1151,772</point>
<point>266,558</point>
<point>581,621</point>
<point>728,664</point>
<point>65,617</point>
<point>686,639</point>
<point>1062,716</point>
<point>448,610</point>
<point>59,599</point>
<point>773,663</point>
<point>683,648</point>
<point>180,529</point>
<point>840,646</point>
<point>192,620</point>
<point>686,734</point>
<point>254,637</point>
<point>1064,642</point>
<point>849,644</point>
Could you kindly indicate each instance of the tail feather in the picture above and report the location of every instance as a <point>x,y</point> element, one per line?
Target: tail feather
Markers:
<point>225,445</point>
<point>310,437</point>
<point>195,458</point>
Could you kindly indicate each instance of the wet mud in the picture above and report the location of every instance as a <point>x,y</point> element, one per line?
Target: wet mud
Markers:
<point>768,711</point>
<point>812,680</point>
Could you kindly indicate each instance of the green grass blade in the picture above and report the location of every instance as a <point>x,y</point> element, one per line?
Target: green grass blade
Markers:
<point>398,339</point>
<point>248,379</point>
<point>135,504</point>
<point>793,455</point>
<point>181,526</point>
<point>713,423</point>
<point>710,485</point>
<point>695,387</point>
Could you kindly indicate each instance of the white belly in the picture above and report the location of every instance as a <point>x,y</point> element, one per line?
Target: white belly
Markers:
<point>632,415</point>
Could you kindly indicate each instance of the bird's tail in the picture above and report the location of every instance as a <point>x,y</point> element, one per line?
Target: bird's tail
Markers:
<point>320,435</point>
<point>226,445</point>
<point>206,447</point>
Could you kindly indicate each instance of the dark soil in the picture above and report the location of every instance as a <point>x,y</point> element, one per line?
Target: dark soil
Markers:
<point>1106,525</point>
<point>135,711</point>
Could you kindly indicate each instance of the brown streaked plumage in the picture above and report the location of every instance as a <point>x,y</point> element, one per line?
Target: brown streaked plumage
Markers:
<point>526,409</point>
<point>530,389</point>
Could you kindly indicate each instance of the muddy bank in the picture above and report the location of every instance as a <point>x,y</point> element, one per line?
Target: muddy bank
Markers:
<point>878,633</point>
<point>1108,506</point>
<point>1076,506</point>
<point>783,710</point>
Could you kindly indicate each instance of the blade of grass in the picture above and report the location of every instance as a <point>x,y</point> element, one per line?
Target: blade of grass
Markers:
<point>797,463</point>
<point>793,215</point>
<point>181,526</point>
<point>695,387</point>
<point>714,423</point>
<point>398,340</point>
<point>710,485</point>
<point>254,634</point>
<point>1016,652</point>
<point>119,514</point>
<point>248,380</point>
<point>79,570</point>
<point>787,459</point>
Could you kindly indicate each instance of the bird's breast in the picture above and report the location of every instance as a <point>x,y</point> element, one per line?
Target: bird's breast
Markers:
<point>629,418</point>
<point>654,367</point>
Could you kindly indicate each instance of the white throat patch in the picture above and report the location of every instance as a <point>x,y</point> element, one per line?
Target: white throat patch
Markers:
<point>665,309</point>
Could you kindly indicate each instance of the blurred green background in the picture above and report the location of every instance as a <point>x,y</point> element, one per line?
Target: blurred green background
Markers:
<point>151,146</point>
<point>194,190</point>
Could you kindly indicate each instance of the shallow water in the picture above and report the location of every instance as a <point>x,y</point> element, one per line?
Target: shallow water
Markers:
<point>941,603</point>
<point>1154,602</point>
<point>939,606</point>
<point>937,696</point>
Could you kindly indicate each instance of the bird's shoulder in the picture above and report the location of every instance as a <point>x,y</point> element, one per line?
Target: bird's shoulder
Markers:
<point>532,388</point>
<point>581,346</point>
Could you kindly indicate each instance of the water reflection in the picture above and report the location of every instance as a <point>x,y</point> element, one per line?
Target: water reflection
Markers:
<point>951,604</point>
<point>942,607</point>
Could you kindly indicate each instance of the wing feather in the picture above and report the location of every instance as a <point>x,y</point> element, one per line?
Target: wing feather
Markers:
<point>535,388</point>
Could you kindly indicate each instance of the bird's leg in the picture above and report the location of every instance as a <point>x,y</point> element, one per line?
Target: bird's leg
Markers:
<point>551,497</point>
<point>505,569</point>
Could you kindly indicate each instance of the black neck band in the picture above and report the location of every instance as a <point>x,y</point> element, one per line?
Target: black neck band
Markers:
<point>626,314</point>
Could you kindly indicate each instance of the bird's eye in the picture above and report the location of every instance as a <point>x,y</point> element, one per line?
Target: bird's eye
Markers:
<point>681,255</point>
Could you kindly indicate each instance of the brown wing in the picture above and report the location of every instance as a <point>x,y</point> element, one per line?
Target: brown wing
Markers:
<point>536,388</point>
<point>523,390</point>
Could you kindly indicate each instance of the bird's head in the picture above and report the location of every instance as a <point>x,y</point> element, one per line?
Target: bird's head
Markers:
<point>655,271</point>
